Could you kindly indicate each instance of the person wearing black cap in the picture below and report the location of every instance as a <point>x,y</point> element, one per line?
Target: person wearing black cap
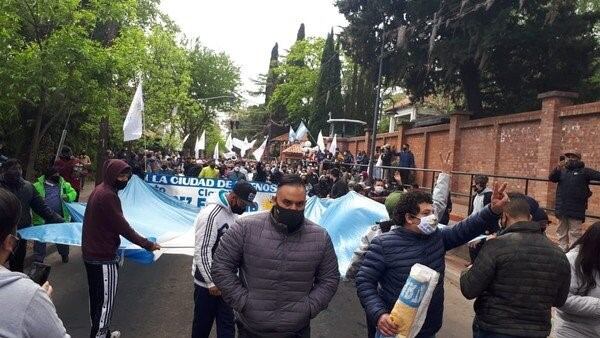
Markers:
<point>572,196</point>
<point>211,223</point>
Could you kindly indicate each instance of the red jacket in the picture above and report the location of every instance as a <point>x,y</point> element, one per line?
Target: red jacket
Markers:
<point>104,222</point>
<point>66,169</point>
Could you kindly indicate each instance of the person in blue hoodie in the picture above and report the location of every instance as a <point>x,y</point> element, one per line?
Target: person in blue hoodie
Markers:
<point>416,239</point>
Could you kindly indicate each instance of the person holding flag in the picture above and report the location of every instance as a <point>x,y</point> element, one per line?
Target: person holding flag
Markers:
<point>103,223</point>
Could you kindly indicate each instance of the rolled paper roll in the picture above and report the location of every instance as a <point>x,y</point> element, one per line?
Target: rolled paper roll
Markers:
<point>404,311</point>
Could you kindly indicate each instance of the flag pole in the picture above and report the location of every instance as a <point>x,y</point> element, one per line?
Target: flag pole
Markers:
<point>143,132</point>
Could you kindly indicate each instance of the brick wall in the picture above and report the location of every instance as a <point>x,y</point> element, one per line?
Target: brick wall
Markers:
<point>524,144</point>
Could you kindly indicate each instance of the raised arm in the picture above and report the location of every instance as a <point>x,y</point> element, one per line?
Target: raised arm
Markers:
<point>476,224</point>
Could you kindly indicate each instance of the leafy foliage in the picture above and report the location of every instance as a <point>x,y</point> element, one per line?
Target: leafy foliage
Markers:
<point>80,61</point>
<point>495,56</point>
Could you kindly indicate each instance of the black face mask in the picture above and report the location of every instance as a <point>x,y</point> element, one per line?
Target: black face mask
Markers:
<point>292,219</point>
<point>120,185</point>
<point>574,164</point>
<point>236,209</point>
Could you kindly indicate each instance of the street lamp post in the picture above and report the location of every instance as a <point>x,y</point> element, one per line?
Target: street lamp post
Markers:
<point>376,112</point>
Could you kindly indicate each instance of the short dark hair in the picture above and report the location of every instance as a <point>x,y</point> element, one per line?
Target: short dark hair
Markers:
<point>481,179</point>
<point>406,145</point>
<point>10,213</point>
<point>335,172</point>
<point>291,179</point>
<point>517,205</point>
<point>409,204</point>
<point>50,171</point>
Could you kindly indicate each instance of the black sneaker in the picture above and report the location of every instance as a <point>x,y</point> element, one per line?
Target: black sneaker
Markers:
<point>65,259</point>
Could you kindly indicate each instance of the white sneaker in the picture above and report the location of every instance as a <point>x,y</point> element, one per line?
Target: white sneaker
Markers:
<point>115,334</point>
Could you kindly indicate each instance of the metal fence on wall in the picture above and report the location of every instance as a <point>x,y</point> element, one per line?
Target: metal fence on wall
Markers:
<point>429,185</point>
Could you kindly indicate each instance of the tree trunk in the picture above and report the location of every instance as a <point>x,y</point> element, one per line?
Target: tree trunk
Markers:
<point>35,145</point>
<point>103,138</point>
<point>470,78</point>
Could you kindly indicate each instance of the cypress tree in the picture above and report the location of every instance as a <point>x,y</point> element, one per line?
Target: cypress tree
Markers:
<point>271,76</point>
<point>328,94</point>
<point>301,34</point>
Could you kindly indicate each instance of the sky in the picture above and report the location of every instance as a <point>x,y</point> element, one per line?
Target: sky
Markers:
<point>247,29</point>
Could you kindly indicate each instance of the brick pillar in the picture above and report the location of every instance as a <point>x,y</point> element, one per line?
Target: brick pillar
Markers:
<point>549,147</point>
<point>368,141</point>
<point>454,137</point>
<point>456,119</point>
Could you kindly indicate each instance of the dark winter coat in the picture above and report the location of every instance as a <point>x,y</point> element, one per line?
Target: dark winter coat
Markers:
<point>31,200</point>
<point>285,279</point>
<point>517,278</point>
<point>390,256</point>
<point>573,190</point>
<point>407,159</point>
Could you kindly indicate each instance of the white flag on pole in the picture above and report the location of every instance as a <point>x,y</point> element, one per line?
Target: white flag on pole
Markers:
<point>133,125</point>
<point>185,138</point>
<point>333,145</point>
<point>216,153</point>
<point>197,147</point>
<point>202,145</point>
<point>237,143</point>
<point>321,141</point>
<point>229,143</point>
<point>291,135</point>
<point>258,153</point>
<point>301,131</point>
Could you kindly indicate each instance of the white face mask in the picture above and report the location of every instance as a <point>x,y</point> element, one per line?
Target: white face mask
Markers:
<point>428,224</point>
<point>379,189</point>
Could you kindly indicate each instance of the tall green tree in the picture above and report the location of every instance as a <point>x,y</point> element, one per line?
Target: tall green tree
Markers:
<point>328,94</point>
<point>296,89</point>
<point>495,56</point>
<point>272,78</point>
<point>301,33</point>
<point>81,61</point>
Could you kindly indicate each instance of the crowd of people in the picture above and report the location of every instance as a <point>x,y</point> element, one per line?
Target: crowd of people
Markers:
<point>270,273</point>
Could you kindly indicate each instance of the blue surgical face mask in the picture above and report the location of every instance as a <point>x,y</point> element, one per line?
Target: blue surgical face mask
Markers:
<point>428,224</point>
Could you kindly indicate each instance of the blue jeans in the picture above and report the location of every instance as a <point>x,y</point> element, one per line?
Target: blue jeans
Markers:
<point>39,251</point>
<point>207,308</point>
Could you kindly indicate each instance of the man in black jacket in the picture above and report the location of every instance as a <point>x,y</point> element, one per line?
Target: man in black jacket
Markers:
<point>517,278</point>
<point>340,186</point>
<point>10,179</point>
<point>572,196</point>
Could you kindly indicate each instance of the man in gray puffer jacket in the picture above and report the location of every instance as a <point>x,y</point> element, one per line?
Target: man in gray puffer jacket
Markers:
<point>288,270</point>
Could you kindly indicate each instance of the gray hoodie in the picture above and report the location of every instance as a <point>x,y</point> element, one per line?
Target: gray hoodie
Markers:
<point>31,312</point>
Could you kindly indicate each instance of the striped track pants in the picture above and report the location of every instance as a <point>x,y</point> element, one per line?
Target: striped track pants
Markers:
<point>102,284</point>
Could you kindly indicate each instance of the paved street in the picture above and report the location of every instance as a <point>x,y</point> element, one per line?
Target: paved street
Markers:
<point>156,301</point>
